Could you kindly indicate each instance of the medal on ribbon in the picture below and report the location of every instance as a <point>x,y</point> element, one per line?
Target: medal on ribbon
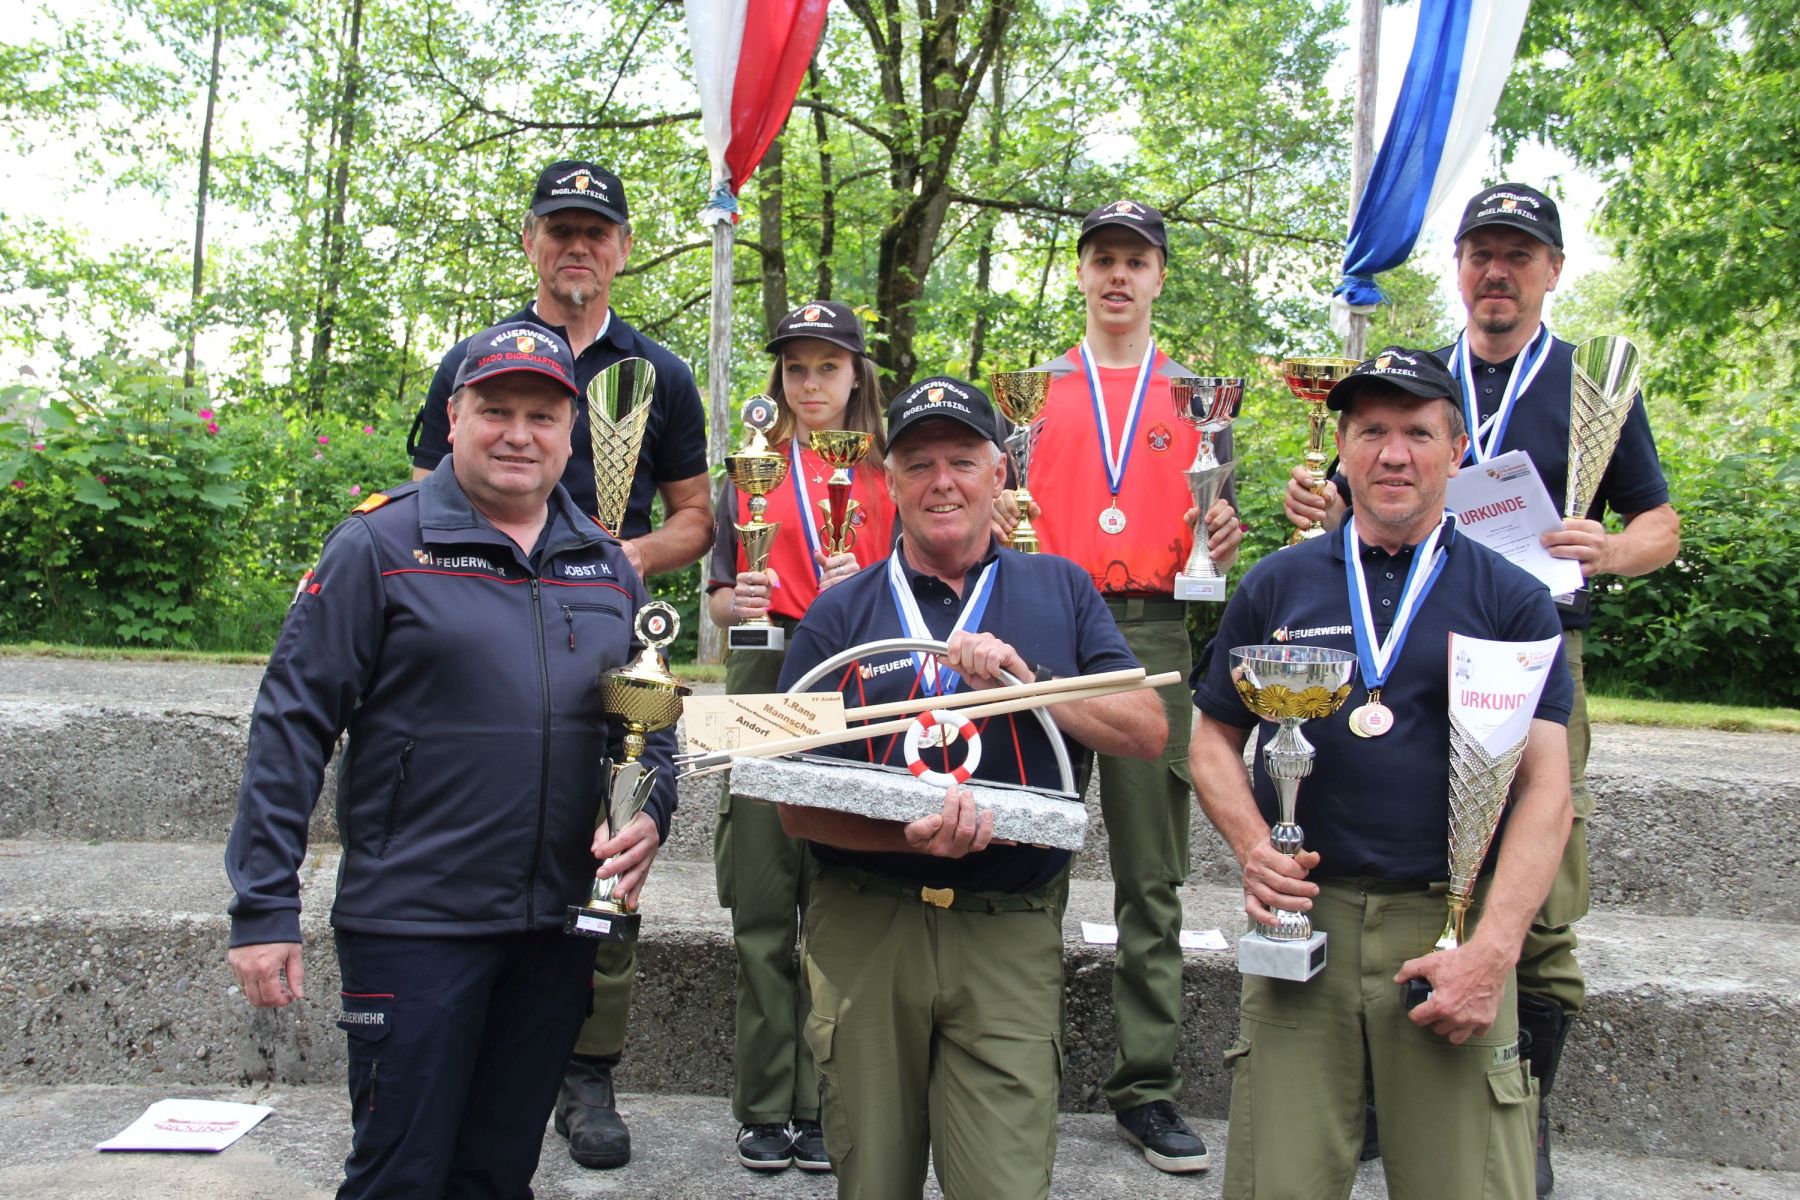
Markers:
<point>1115,457</point>
<point>1485,436</point>
<point>936,680</point>
<point>1377,656</point>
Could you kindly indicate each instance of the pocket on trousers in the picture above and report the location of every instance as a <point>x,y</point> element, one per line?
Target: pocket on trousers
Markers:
<point>368,1019</point>
<point>1510,1085</point>
<point>833,1115</point>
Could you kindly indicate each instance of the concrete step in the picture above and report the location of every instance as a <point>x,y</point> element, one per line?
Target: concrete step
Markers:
<point>681,1148</point>
<point>112,971</point>
<point>133,751</point>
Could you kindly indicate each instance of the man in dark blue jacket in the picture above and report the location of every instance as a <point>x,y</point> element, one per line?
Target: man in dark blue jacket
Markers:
<point>455,627</point>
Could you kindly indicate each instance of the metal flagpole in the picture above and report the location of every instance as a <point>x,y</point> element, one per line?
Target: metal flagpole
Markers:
<point>718,396</point>
<point>1362,145</point>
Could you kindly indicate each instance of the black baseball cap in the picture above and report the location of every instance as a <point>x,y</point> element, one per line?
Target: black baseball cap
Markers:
<point>1141,219</point>
<point>1419,372</point>
<point>517,346</point>
<point>942,397</point>
<point>826,320</point>
<point>572,183</point>
<point>1517,205</point>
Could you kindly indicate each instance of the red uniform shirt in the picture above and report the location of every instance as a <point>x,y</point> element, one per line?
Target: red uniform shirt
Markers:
<point>1069,478</point>
<point>790,557</point>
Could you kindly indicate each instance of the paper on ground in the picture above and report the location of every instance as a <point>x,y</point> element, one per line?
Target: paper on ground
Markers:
<point>1503,504</point>
<point>1096,934</point>
<point>1495,687</point>
<point>188,1125</point>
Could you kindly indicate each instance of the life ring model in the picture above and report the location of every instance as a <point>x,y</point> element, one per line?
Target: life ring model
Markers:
<point>954,725</point>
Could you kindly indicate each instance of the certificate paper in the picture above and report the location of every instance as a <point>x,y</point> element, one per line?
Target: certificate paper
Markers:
<point>1503,504</point>
<point>191,1125</point>
<point>1495,687</point>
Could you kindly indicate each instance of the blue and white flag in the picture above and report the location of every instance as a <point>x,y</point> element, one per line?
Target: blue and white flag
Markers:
<point>1461,55</point>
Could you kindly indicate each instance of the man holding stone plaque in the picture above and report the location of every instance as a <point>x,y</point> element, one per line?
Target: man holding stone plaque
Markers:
<point>1454,1099</point>
<point>1513,384</point>
<point>577,237</point>
<point>1111,494</point>
<point>935,955</point>
<point>433,630</point>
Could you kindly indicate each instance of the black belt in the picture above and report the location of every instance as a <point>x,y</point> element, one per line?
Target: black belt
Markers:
<point>1146,608</point>
<point>961,901</point>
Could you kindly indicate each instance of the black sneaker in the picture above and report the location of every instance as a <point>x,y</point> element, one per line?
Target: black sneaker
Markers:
<point>1167,1142</point>
<point>765,1147</point>
<point>809,1146</point>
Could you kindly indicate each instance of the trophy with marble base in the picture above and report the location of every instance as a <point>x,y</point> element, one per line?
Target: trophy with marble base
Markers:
<point>1311,379</point>
<point>1288,684</point>
<point>1210,404</point>
<point>1021,396</point>
<point>841,449</point>
<point>757,470</point>
<point>648,699</point>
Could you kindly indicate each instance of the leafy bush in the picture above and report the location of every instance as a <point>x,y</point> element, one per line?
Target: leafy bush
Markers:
<point>114,496</point>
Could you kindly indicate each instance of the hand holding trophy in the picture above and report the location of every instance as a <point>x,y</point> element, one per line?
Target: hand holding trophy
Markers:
<point>1311,379</point>
<point>1021,396</point>
<point>841,449</point>
<point>1210,404</point>
<point>648,699</point>
<point>756,470</point>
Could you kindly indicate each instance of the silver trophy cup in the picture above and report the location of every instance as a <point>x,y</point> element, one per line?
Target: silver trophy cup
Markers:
<point>1210,404</point>
<point>1288,684</point>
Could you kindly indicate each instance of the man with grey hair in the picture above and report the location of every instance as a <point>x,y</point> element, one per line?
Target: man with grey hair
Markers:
<point>577,237</point>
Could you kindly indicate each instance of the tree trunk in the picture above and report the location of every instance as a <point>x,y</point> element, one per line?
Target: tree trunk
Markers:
<point>206,131</point>
<point>775,303</point>
<point>343,123</point>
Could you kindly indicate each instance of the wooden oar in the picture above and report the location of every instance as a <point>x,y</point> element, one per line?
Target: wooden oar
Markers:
<point>695,764</point>
<point>919,704</point>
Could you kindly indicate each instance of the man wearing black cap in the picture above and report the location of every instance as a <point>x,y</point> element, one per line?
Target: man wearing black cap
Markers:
<point>1452,1094</point>
<point>467,821</point>
<point>577,236</point>
<point>934,954</point>
<point>1513,382</point>
<point>1118,504</point>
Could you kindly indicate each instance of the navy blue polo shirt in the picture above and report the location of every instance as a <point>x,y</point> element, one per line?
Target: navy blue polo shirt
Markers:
<point>674,444</point>
<point>1539,425</point>
<point>1378,807</point>
<point>1045,607</point>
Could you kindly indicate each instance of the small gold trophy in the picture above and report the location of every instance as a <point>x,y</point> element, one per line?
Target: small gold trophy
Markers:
<point>842,449</point>
<point>1021,396</point>
<point>618,408</point>
<point>648,699</point>
<point>1311,379</point>
<point>757,470</point>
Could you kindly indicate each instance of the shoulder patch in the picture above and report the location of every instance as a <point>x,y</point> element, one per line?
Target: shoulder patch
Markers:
<point>372,503</point>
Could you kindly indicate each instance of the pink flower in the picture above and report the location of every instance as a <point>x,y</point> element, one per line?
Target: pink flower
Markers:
<point>356,489</point>
<point>324,440</point>
<point>37,445</point>
<point>18,483</point>
<point>368,429</point>
<point>100,479</point>
<point>212,427</point>
<point>206,414</point>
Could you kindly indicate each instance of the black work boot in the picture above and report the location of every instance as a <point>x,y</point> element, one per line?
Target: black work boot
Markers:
<point>587,1115</point>
<point>1543,1027</point>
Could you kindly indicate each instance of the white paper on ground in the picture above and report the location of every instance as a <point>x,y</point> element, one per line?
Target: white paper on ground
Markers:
<point>1096,934</point>
<point>188,1125</point>
<point>1503,504</point>
<point>1495,687</point>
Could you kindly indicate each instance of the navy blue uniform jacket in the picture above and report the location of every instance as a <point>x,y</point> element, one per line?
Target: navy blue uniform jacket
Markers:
<point>465,672</point>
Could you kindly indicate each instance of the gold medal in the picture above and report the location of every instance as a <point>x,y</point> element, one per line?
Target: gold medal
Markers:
<point>1372,719</point>
<point>1112,520</point>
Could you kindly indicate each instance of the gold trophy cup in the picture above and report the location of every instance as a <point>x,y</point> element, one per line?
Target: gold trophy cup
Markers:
<point>1605,384</point>
<point>1021,396</point>
<point>647,699</point>
<point>618,408</point>
<point>757,470</point>
<point>841,449</point>
<point>1311,379</point>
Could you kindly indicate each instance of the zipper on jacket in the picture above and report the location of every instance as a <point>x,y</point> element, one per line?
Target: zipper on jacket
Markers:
<point>569,616</point>
<point>393,812</point>
<point>374,1070</point>
<point>537,844</point>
